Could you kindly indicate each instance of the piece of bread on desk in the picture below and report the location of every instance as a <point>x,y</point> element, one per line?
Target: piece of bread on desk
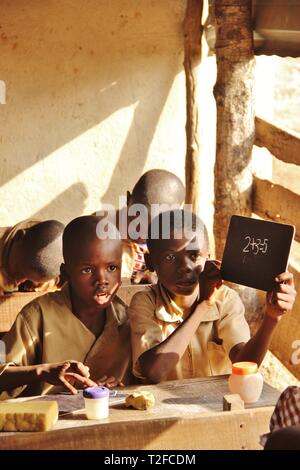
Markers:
<point>28,416</point>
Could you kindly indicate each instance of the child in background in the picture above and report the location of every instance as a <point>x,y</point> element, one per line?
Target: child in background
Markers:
<point>155,187</point>
<point>85,322</point>
<point>30,255</point>
<point>189,324</point>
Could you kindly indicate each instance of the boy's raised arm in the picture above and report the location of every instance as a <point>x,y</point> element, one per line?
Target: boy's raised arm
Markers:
<point>278,302</point>
<point>157,362</point>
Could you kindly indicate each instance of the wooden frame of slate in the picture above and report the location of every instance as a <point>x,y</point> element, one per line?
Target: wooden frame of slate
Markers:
<point>256,251</point>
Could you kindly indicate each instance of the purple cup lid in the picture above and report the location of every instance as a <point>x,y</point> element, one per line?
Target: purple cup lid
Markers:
<point>95,392</point>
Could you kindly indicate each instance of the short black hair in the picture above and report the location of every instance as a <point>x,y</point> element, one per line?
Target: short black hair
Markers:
<point>82,230</point>
<point>42,244</point>
<point>166,224</point>
<point>158,187</point>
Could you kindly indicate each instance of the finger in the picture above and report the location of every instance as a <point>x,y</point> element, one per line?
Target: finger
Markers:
<point>110,379</point>
<point>217,263</point>
<point>84,370</point>
<point>284,306</point>
<point>83,380</point>
<point>102,379</point>
<point>65,367</point>
<point>285,297</point>
<point>112,382</point>
<point>68,385</point>
<point>287,289</point>
<point>285,277</point>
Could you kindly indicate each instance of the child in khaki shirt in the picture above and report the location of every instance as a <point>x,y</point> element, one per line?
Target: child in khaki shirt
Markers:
<point>30,256</point>
<point>189,324</point>
<point>77,335</point>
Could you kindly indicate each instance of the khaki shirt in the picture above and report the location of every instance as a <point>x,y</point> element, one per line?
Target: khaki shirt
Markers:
<point>7,235</point>
<point>46,331</point>
<point>154,316</point>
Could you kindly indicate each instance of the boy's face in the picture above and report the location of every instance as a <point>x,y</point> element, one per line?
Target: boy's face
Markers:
<point>178,263</point>
<point>94,272</point>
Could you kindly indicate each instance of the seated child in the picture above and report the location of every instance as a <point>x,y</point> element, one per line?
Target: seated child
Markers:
<point>285,422</point>
<point>85,322</point>
<point>30,253</point>
<point>189,324</point>
<point>154,187</point>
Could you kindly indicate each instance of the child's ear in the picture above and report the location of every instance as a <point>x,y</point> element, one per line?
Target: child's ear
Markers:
<point>20,234</point>
<point>64,272</point>
<point>149,262</point>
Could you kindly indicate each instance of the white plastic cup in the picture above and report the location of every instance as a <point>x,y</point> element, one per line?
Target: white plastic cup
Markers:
<point>96,401</point>
<point>246,381</point>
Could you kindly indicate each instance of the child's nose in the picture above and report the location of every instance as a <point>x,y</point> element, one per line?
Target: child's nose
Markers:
<point>100,277</point>
<point>184,266</point>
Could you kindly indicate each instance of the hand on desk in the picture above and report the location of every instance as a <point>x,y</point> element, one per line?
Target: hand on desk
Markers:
<point>109,382</point>
<point>67,373</point>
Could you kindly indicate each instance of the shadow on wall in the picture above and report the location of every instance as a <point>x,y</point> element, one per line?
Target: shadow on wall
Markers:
<point>71,202</point>
<point>67,69</point>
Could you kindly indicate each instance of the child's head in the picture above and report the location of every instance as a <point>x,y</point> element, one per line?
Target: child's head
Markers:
<point>155,187</point>
<point>91,265</point>
<point>178,249</point>
<point>36,253</point>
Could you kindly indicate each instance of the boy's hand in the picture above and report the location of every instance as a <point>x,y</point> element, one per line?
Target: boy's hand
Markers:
<point>210,281</point>
<point>109,382</point>
<point>67,373</point>
<point>282,298</point>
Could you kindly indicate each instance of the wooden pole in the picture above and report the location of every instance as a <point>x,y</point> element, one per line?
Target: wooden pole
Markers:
<point>192,56</point>
<point>235,114</point>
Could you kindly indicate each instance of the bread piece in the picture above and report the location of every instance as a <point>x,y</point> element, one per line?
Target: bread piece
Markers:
<point>28,416</point>
<point>140,400</point>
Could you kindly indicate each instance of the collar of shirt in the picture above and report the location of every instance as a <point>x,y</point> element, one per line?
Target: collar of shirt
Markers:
<point>168,311</point>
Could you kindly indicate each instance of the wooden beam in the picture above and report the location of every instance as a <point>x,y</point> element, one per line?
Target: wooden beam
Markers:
<point>235,114</point>
<point>283,145</point>
<point>277,203</point>
<point>193,31</point>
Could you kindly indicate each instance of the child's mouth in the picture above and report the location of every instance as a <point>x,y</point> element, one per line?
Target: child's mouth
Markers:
<point>102,298</point>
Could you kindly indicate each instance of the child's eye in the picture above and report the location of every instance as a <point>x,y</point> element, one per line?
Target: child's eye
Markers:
<point>112,268</point>
<point>170,257</point>
<point>86,271</point>
<point>195,256</point>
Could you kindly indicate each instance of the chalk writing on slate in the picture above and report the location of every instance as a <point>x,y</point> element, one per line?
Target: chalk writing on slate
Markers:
<point>256,251</point>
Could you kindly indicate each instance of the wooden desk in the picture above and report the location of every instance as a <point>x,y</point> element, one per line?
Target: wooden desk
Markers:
<point>187,415</point>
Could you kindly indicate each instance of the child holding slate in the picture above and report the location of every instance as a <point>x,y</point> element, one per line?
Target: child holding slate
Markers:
<point>189,324</point>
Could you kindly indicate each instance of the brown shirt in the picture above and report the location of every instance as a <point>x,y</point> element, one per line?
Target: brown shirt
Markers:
<point>7,235</point>
<point>46,331</point>
<point>154,316</point>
